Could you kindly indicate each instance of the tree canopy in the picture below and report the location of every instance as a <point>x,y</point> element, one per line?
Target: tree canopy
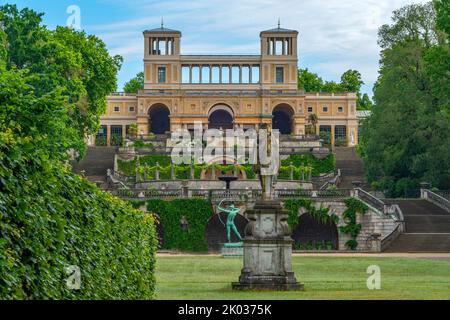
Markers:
<point>73,63</point>
<point>351,81</point>
<point>407,138</point>
<point>135,84</point>
<point>50,218</point>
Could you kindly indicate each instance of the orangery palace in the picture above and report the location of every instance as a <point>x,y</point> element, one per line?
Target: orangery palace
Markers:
<point>226,91</point>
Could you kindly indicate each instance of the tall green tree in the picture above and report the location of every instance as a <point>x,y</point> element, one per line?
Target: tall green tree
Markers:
<point>135,84</point>
<point>308,81</point>
<point>442,8</point>
<point>76,64</point>
<point>406,139</point>
<point>351,81</point>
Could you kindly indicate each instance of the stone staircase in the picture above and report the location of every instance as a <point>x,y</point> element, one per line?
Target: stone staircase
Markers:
<point>96,162</point>
<point>351,166</point>
<point>427,228</point>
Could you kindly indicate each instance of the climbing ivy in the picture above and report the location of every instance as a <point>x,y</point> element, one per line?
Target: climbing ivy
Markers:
<point>354,207</point>
<point>321,215</point>
<point>197,213</point>
<point>51,219</point>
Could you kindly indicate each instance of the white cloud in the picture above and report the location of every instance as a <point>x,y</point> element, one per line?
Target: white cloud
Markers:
<point>335,35</point>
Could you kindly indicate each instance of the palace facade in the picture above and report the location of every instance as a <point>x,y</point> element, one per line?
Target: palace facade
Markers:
<point>226,91</point>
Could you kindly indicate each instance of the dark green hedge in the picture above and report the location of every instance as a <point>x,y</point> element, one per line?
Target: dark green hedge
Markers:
<point>51,219</point>
<point>197,213</point>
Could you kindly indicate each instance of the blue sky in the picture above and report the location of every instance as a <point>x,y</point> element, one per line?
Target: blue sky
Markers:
<point>335,35</point>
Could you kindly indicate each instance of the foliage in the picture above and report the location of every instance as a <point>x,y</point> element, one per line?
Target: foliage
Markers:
<point>319,166</point>
<point>351,81</point>
<point>135,84</point>
<point>405,139</point>
<point>133,129</point>
<point>139,144</point>
<point>313,120</point>
<point>326,137</point>
<point>321,215</point>
<point>52,219</point>
<point>354,207</point>
<point>197,213</point>
<point>342,142</point>
<point>76,65</point>
<point>101,141</point>
<point>304,163</point>
<point>310,82</point>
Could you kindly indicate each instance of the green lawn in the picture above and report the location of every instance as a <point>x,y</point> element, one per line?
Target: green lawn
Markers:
<point>192,278</point>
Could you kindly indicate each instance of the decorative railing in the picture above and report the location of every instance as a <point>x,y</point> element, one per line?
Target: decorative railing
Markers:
<point>437,198</point>
<point>335,180</point>
<point>293,194</point>
<point>443,193</point>
<point>124,178</point>
<point>391,210</point>
<point>370,200</point>
<point>243,195</point>
<point>148,194</point>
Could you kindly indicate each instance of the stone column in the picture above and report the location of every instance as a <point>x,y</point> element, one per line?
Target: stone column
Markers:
<point>157,172</point>
<point>108,135</point>
<point>124,132</point>
<point>213,172</point>
<point>332,134</point>
<point>192,173</point>
<point>172,171</point>
<point>292,172</point>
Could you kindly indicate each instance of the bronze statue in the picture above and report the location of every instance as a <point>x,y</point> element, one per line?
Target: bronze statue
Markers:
<point>232,213</point>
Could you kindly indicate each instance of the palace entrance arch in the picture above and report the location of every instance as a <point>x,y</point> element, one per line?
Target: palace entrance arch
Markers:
<point>283,118</point>
<point>221,116</point>
<point>159,119</point>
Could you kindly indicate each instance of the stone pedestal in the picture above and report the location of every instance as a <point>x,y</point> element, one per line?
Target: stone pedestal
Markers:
<point>267,250</point>
<point>232,252</point>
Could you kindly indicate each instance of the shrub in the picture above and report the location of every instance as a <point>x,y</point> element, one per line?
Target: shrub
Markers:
<point>51,219</point>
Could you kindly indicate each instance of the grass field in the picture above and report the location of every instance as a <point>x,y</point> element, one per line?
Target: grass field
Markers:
<point>210,277</point>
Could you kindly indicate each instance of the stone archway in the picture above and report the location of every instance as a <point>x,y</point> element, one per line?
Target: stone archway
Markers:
<point>221,116</point>
<point>283,118</point>
<point>309,231</point>
<point>216,232</point>
<point>159,119</point>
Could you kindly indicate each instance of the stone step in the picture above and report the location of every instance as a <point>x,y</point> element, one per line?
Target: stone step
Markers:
<point>421,242</point>
<point>96,162</point>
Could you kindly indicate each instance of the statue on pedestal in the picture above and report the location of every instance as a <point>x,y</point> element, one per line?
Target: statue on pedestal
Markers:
<point>268,242</point>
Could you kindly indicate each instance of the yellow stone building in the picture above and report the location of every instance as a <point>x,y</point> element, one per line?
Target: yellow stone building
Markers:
<point>226,91</point>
